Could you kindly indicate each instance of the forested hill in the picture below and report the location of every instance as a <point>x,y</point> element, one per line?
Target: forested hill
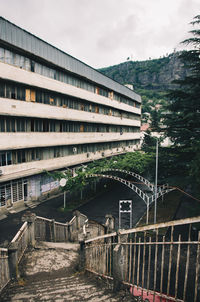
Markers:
<point>154,74</point>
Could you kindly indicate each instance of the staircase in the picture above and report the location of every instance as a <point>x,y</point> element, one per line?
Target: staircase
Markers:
<point>50,274</point>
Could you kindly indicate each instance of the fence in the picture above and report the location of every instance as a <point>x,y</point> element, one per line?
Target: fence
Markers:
<point>158,262</point>
<point>50,230</point>
<point>4,268</point>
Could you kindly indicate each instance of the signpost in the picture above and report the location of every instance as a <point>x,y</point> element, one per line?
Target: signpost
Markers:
<point>125,206</point>
<point>63,182</point>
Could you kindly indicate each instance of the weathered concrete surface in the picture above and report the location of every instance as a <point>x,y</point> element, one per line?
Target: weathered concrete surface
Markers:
<point>50,274</point>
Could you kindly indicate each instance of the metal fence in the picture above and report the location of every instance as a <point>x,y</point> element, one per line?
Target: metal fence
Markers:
<point>4,268</point>
<point>159,262</point>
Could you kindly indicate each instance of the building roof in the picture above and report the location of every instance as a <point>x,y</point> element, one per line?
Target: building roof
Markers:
<point>22,39</point>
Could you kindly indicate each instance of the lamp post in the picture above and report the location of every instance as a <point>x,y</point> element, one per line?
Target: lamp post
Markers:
<point>156,182</point>
<point>156,179</point>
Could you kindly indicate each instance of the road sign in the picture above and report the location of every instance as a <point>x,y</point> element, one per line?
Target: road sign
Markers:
<point>63,182</point>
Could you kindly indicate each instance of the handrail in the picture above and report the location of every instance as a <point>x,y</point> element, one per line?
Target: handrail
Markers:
<point>16,237</point>
<point>3,249</point>
<point>144,180</point>
<point>148,228</point>
<point>143,195</point>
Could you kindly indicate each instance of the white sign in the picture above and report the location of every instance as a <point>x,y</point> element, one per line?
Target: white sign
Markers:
<point>63,182</point>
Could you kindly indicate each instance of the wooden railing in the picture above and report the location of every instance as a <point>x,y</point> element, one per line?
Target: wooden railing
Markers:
<point>4,268</point>
<point>36,228</point>
<point>21,241</point>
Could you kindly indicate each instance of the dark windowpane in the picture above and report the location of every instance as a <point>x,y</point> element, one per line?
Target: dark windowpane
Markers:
<point>9,156</point>
<point>2,124</point>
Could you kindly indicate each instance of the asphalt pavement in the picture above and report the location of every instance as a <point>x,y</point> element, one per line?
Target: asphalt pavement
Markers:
<point>104,203</point>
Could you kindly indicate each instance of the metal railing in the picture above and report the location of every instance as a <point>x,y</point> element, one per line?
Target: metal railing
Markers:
<point>139,177</point>
<point>4,268</point>
<point>156,261</point>
<point>148,199</point>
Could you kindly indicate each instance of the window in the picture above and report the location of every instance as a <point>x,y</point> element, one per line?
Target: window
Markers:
<point>2,124</point>
<point>2,89</point>
<point>28,95</point>
<point>81,128</point>
<point>32,96</point>
<point>32,66</point>
<point>5,158</point>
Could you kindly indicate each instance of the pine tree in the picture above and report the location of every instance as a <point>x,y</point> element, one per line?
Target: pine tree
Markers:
<point>183,118</point>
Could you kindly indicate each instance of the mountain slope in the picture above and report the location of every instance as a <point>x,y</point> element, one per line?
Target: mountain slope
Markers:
<point>154,74</point>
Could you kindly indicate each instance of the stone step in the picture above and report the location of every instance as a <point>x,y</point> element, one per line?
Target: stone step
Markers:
<point>73,288</point>
<point>50,274</point>
<point>31,205</point>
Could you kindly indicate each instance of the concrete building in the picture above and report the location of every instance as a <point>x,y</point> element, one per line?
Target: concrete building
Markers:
<point>55,112</point>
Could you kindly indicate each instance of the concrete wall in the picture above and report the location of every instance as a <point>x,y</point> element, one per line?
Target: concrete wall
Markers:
<point>20,140</point>
<point>31,109</point>
<point>16,74</point>
<point>36,167</point>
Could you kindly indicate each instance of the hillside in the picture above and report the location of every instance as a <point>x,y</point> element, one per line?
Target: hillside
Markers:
<point>154,74</point>
<point>151,79</point>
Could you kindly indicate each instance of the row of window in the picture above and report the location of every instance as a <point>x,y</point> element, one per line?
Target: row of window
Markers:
<point>28,155</point>
<point>18,60</point>
<point>18,124</point>
<point>13,91</point>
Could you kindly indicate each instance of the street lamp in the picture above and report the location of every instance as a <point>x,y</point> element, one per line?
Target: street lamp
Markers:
<point>156,178</point>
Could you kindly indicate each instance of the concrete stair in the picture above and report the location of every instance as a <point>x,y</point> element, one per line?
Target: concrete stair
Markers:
<point>72,288</point>
<point>50,274</point>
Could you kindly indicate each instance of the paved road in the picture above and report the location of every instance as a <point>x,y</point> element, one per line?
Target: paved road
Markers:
<point>108,203</point>
<point>96,209</point>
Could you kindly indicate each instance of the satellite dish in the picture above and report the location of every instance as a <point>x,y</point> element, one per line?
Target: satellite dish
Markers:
<point>63,182</point>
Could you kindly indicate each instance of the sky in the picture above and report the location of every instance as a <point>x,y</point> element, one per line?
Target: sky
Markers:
<point>102,33</point>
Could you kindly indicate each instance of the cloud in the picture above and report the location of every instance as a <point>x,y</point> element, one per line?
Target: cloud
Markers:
<point>105,32</point>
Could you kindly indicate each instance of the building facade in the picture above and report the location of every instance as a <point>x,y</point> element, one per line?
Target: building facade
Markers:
<point>55,112</point>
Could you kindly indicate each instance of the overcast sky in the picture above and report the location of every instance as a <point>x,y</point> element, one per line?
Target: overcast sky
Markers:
<point>106,32</point>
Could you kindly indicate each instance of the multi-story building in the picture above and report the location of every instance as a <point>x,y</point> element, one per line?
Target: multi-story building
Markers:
<point>55,112</point>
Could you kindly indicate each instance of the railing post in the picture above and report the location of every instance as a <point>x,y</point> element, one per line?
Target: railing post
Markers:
<point>110,223</point>
<point>53,230</point>
<point>12,260</point>
<point>78,219</point>
<point>82,255</point>
<point>30,219</point>
<point>67,232</point>
<point>119,265</point>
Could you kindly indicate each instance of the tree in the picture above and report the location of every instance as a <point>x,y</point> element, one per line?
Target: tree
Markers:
<point>183,118</point>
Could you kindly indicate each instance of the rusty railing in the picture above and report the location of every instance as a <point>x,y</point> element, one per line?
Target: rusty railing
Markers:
<point>158,262</point>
